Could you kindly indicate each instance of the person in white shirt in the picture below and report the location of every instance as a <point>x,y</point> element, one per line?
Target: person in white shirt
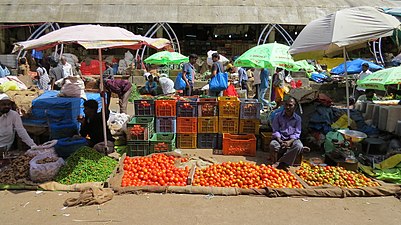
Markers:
<point>364,73</point>
<point>67,68</point>
<point>10,122</point>
<point>166,83</point>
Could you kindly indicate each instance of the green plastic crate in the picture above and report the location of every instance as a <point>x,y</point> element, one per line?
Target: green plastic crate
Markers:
<point>138,148</point>
<point>162,142</point>
<point>146,122</point>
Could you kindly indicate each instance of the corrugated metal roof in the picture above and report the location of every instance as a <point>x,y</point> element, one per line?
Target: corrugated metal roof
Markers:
<point>176,11</point>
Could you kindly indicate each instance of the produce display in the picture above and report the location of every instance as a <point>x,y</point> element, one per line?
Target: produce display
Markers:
<point>46,170</point>
<point>187,106</point>
<point>17,171</point>
<point>158,170</point>
<point>86,165</point>
<point>333,175</point>
<point>47,160</point>
<point>161,147</point>
<point>144,104</point>
<point>244,175</point>
<point>137,130</point>
<point>208,109</point>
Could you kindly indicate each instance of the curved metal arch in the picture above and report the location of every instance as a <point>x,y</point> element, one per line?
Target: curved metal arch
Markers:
<point>269,28</point>
<point>152,31</point>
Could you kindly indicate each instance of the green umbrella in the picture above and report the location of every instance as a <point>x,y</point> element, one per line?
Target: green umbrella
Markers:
<point>166,58</point>
<point>379,79</point>
<point>270,56</point>
<point>303,64</point>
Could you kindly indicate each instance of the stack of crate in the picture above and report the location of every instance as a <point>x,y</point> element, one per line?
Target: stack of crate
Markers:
<point>249,116</point>
<point>141,128</point>
<point>229,109</point>
<point>164,140</point>
<point>208,123</point>
<point>187,122</point>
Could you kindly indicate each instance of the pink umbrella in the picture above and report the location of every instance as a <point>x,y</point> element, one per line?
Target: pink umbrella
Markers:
<point>93,37</point>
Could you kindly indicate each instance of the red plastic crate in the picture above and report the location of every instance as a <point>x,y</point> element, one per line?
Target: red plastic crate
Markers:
<point>208,107</point>
<point>244,145</point>
<point>229,106</point>
<point>187,125</point>
<point>166,108</point>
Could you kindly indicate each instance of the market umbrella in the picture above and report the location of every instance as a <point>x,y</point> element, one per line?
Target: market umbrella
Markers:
<point>303,65</point>
<point>380,79</point>
<point>166,58</point>
<point>347,28</point>
<point>93,37</point>
<point>269,55</point>
<point>355,66</point>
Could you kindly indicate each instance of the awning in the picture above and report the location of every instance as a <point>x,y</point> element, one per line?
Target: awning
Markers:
<point>176,11</point>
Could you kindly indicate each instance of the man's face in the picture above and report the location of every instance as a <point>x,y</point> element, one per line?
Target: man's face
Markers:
<point>89,112</point>
<point>63,61</point>
<point>5,106</point>
<point>215,59</point>
<point>365,68</point>
<point>289,107</point>
<point>192,61</point>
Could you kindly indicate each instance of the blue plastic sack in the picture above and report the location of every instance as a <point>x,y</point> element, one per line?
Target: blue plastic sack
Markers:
<point>179,83</point>
<point>219,82</point>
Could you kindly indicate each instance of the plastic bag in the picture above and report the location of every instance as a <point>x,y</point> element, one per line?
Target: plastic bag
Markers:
<point>230,91</point>
<point>219,82</point>
<point>46,148</point>
<point>179,83</point>
<point>73,87</point>
<point>328,143</point>
<point>44,172</point>
<point>9,86</point>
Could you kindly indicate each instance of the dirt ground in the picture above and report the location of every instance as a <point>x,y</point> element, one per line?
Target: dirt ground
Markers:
<point>47,208</point>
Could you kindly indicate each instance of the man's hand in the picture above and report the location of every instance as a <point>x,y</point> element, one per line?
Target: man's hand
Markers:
<point>287,144</point>
<point>81,119</point>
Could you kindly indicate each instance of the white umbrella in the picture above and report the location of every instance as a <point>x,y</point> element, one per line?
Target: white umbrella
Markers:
<point>93,37</point>
<point>347,28</point>
<point>209,60</point>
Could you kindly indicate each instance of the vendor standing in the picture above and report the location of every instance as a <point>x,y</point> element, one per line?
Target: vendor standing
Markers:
<point>188,74</point>
<point>122,88</point>
<point>286,134</point>
<point>362,75</point>
<point>10,122</point>
<point>92,127</point>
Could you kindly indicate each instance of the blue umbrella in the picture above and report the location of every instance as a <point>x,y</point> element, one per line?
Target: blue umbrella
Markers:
<point>355,66</point>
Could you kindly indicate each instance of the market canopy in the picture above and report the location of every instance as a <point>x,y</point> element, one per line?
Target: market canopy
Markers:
<point>92,37</point>
<point>380,79</point>
<point>166,58</point>
<point>355,66</point>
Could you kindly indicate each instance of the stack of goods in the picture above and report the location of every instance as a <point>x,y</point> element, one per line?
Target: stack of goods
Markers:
<point>208,123</point>
<point>141,127</point>
<point>187,122</point>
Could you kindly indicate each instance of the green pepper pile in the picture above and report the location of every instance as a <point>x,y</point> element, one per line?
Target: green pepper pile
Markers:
<point>86,165</point>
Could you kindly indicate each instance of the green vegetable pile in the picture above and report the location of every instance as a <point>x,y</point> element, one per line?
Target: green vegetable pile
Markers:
<point>134,93</point>
<point>86,165</point>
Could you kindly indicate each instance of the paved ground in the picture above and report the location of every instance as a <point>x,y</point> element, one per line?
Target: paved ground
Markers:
<point>47,208</point>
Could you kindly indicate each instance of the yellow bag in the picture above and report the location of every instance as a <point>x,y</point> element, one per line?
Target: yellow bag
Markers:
<point>9,86</point>
<point>342,123</point>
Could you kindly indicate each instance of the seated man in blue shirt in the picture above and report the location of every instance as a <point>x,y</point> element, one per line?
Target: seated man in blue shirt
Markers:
<point>151,86</point>
<point>286,134</point>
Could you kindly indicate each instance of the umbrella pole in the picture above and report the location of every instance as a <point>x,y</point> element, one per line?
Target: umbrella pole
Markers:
<point>271,85</point>
<point>106,148</point>
<point>346,86</point>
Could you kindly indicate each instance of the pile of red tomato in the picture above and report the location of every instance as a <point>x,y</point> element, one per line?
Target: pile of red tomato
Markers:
<point>158,170</point>
<point>187,106</point>
<point>244,175</point>
<point>145,104</point>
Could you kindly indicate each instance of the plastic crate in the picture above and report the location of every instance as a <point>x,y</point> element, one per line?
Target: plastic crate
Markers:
<point>187,125</point>
<point>244,145</point>
<point>185,141</point>
<point>166,125</point>
<point>209,141</point>
<point>266,139</point>
<point>166,108</point>
<point>162,143</point>
<point>144,107</point>
<point>249,126</point>
<point>229,106</point>
<point>228,125</point>
<point>138,148</point>
<point>208,107</point>
<point>187,108</point>
<point>250,109</point>
<point>145,122</point>
<point>208,124</point>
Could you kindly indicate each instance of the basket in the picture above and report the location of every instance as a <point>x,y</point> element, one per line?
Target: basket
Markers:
<point>166,125</point>
<point>249,126</point>
<point>229,106</point>
<point>266,139</point>
<point>228,125</point>
<point>166,108</point>
<point>162,143</point>
<point>208,124</point>
<point>187,125</point>
<point>244,145</point>
<point>143,126</point>
<point>208,107</point>
<point>144,107</point>
<point>250,109</point>
<point>187,108</point>
<point>138,148</point>
<point>209,141</point>
<point>185,141</point>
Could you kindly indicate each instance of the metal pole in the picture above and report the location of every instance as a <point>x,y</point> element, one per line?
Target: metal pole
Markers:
<point>106,148</point>
<point>346,85</point>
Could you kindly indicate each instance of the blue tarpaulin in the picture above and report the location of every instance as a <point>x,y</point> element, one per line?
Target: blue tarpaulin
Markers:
<point>48,108</point>
<point>354,67</point>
